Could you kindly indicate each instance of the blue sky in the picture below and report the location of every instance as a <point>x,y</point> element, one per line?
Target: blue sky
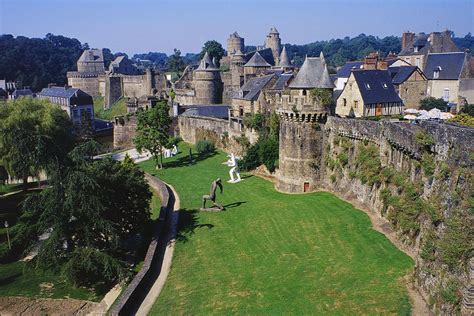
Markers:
<point>161,25</point>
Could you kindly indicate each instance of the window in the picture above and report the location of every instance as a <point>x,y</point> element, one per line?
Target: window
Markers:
<point>436,74</point>
<point>446,95</point>
<point>367,86</point>
<point>384,85</point>
<point>417,62</point>
<point>344,101</point>
<point>356,103</point>
<point>415,49</point>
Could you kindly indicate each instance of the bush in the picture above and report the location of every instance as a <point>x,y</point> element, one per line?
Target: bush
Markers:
<point>205,146</point>
<point>251,159</point>
<point>268,153</point>
<point>431,103</point>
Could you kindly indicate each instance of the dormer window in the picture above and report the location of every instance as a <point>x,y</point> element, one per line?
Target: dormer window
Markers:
<point>415,49</point>
<point>436,72</point>
<point>384,85</point>
<point>367,86</point>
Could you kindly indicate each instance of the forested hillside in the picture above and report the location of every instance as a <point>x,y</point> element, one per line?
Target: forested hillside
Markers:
<point>35,62</point>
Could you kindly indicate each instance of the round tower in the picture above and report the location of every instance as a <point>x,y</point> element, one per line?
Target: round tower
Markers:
<point>207,82</point>
<point>235,43</point>
<point>301,127</point>
<point>237,63</point>
<point>273,41</point>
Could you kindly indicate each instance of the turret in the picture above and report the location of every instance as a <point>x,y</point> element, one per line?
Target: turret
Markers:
<point>284,60</point>
<point>237,63</point>
<point>273,41</point>
<point>234,44</point>
<point>207,82</point>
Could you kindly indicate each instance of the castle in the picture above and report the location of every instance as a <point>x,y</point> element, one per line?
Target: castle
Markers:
<point>122,79</point>
<point>205,84</point>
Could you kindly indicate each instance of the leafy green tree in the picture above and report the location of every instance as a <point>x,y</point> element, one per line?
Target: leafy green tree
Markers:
<point>152,131</point>
<point>92,210</point>
<point>32,132</point>
<point>214,49</point>
<point>175,62</point>
<point>468,109</point>
<point>432,103</point>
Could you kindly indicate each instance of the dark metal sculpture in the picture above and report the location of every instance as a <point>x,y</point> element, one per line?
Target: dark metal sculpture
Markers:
<point>212,197</point>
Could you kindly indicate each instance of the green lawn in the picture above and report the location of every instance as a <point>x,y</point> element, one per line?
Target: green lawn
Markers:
<point>273,253</point>
<point>119,108</point>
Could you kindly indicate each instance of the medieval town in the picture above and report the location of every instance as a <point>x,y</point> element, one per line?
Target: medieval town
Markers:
<point>250,178</point>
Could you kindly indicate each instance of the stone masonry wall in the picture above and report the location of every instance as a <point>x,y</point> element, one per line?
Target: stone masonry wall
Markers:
<point>228,136</point>
<point>124,131</point>
<point>419,179</point>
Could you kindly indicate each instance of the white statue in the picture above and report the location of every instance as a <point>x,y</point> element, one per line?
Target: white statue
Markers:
<point>234,168</point>
<point>174,151</point>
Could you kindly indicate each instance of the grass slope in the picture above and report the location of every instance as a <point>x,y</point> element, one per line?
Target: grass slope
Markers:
<point>119,108</point>
<point>273,253</point>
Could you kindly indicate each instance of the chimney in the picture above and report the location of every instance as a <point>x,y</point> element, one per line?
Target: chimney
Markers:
<point>67,87</point>
<point>50,85</point>
<point>407,38</point>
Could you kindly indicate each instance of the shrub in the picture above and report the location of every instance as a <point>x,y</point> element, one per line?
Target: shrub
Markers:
<point>428,164</point>
<point>431,103</point>
<point>449,292</point>
<point>343,158</point>
<point>268,153</point>
<point>205,146</point>
<point>251,159</point>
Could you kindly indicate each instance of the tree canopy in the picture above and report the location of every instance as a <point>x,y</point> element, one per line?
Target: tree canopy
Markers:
<point>92,212</point>
<point>431,103</point>
<point>214,49</point>
<point>175,62</point>
<point>32,132</point>
<point>152,131</point>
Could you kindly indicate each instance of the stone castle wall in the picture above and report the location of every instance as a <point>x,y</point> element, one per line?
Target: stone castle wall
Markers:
<point>440,173</point>
<point>89,85</point>
<point>124,131</point>
<point>226,135</point>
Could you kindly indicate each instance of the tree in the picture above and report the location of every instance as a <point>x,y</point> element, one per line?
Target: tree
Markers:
<point>92,211</point>
<point>468,109</point>
<point>32,132</point>
<point>175,62</point>
<point>214,49</point>
<point>152,131</point>
<point>432,103</point>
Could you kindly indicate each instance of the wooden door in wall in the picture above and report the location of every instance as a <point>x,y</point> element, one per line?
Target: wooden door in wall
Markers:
<point>378,109</point>
<point>306,187</point>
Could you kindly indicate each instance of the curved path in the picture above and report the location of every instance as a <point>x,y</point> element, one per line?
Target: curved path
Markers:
<point>155,290</point>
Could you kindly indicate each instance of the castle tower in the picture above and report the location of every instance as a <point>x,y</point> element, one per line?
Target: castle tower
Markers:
<point>237,63</point>
<point>301,131</point>
<point>273,41</point>
<point>207,81</point>
<point>89,67</point>
<point>234,44</point>
<point>255,66</point>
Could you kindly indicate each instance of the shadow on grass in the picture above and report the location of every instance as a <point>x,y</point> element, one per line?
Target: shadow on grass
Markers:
<point>184,160</point>
<point>9,279</point>
<point>188,222</point>
<point>235,204</point>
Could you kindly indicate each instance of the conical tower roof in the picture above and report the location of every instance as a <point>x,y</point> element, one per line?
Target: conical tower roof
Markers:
<point>313,74</point>
<point>206,63</point>
<point>284,60</point>
<point>273,30</point>
<point>257,61</point>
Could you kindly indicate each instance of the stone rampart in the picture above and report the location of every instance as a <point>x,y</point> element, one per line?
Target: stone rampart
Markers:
<point>124,131</point>
<point>227,135</point>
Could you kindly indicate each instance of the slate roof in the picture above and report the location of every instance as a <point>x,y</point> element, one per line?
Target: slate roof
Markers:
<point>92,55</point>
<point>401,73</point>
<point>22,93</point>
<point>284,60</point>
<point>345,70</point>
<point>266,53</point>
<point>250,91</point>
<point>75,96</point>
<point>421,41</point>
<point>450,65</point>
<point>206,63</point>
<point>257,61</point>
<point>217,111</point>
<point>313,74</point>
<point>376,86</point>
<point>282,81</point>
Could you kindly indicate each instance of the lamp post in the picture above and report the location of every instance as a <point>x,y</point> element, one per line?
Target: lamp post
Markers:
<point>8,236</point>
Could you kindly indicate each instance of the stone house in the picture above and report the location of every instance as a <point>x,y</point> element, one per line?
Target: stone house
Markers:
<point>250,97</point>
<point>415,48</point>
<point>78,104</point>
<point>410,83</point>
<point>369,93</point>
<point>445,71</point>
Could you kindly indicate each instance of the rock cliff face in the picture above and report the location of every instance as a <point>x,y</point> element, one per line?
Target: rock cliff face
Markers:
<point>418,178</point>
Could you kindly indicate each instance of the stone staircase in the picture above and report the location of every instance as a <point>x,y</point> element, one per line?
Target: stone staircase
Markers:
<point>468,296</point>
